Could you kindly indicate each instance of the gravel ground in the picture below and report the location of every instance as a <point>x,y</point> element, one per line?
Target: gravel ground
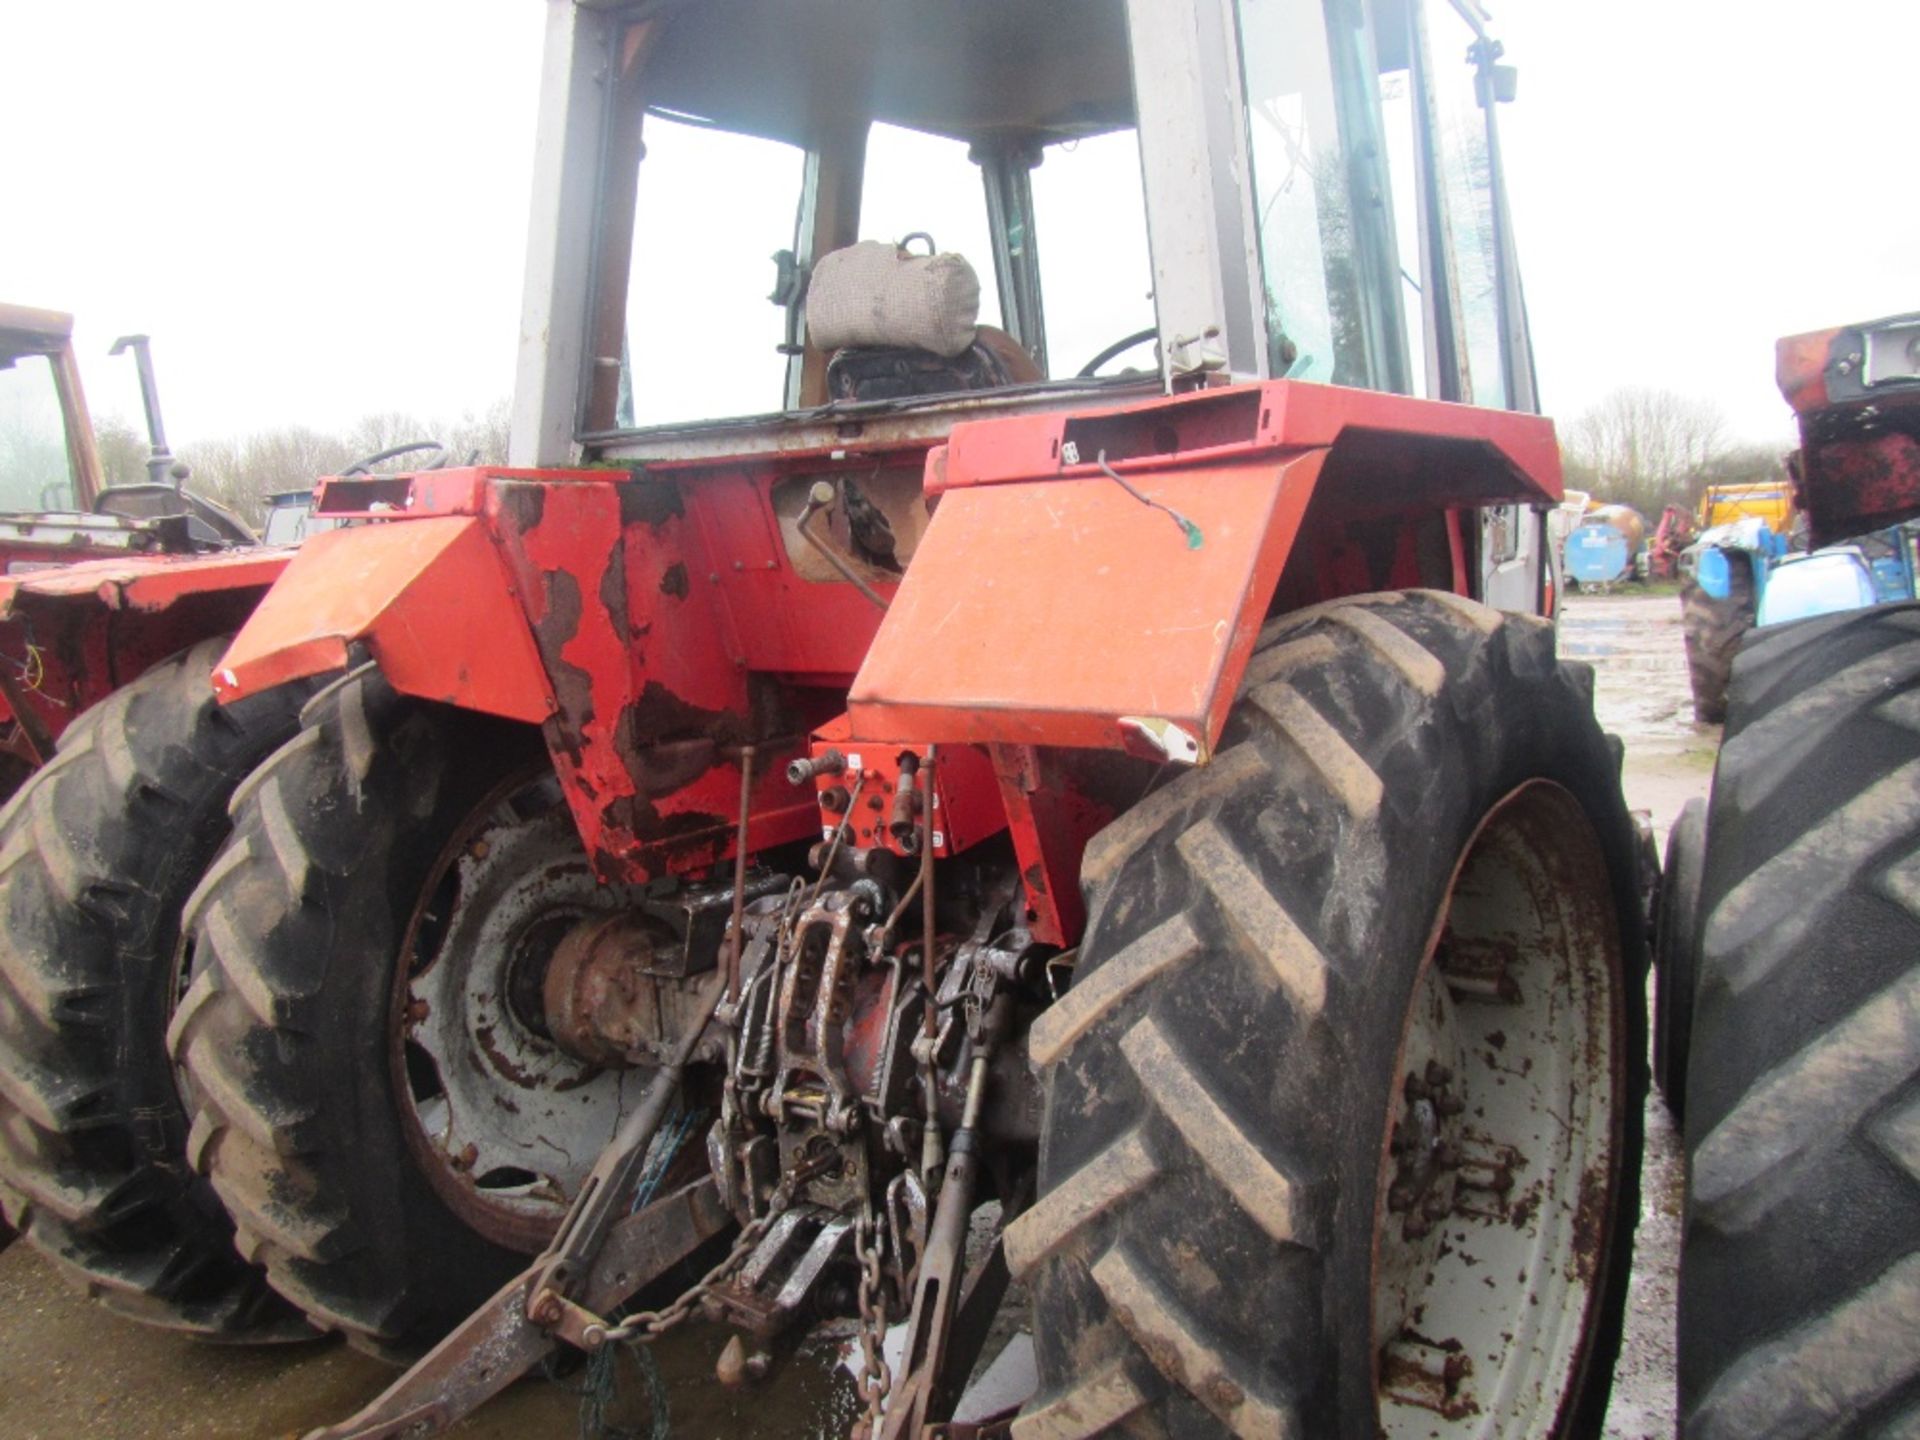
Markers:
<point>68,1369</point>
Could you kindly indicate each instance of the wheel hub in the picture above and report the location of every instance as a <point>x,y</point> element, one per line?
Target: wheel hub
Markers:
<point>506,1120</point>
<point>601,1000</point>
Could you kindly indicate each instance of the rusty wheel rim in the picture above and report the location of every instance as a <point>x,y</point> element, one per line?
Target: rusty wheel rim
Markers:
<point>502,1121</point>
<point>1502,1154</point>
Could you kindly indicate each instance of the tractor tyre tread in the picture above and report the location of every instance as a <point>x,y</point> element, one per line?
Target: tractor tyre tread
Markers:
<point>97,851</point>
<point>1676,952</point>
<point>287,1097</point>
<point>1184,1238</point>
<point>1713,630</point>
<point>1800,1266</point>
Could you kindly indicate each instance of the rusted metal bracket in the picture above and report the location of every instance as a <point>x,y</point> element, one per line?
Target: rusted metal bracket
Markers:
<point>822,496</point>
<point>498,1343</point>
<point>932,1360</point>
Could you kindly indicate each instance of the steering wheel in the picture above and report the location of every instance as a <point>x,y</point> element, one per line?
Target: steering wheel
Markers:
<point>365,465</point>
<point>1119,347</point>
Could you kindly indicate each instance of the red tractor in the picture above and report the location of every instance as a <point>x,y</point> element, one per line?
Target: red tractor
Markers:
<point>1677,530</point>
<point>97,581</point>
<point>1146,802</point>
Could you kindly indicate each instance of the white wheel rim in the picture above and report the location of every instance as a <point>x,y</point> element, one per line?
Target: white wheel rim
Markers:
<point>1492,1216</point>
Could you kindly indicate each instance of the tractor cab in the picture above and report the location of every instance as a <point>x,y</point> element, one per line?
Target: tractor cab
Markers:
<point>1051,201</point>
<point>47,455</point>
<point>55,504</point>
<point>765,227</point>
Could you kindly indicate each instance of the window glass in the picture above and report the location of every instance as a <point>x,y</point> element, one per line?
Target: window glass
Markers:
<point>1096,276</point>
<point>35,473</point>
<point>1332,299</point>
<point>916,182</point>
<point>1398,120</point>
<point>712,208</point>
<point>1466,191</point>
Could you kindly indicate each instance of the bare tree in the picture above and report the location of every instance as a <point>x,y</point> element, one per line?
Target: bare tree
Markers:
<point>479,438</point>
<point>241,472</point>
<point>1645,447</point>
<point>123,451</point>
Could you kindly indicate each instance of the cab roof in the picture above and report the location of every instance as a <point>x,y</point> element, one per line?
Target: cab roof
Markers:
<point>797,70</point>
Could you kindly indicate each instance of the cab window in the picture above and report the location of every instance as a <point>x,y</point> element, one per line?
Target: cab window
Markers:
<point>1464,171</point>
<point>1096,277</point>
<point>1314,138</point>
<point>35,470</point>
<point>702,341</point>
<point>916,183</point>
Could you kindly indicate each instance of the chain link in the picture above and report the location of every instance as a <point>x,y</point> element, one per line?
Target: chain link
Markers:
<point>876,1376</point>
<point>649,1325</point>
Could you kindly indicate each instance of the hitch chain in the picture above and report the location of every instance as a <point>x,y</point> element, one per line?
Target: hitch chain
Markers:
<point>649,1325</point>
<point>876,1376</point>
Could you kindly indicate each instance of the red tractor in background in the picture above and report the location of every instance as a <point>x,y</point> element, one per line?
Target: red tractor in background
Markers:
<point>71,632</point>
<point>1676,531</point>
<point>851,772</point>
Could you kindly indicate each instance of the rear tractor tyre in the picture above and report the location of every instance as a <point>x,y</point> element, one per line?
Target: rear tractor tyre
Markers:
<point>1713,630</point>
<point>374,1095</point>
<point>1800,1265</point>
<point>1343,1110</point>
<point>1676,952</point>
<point>98,851</point>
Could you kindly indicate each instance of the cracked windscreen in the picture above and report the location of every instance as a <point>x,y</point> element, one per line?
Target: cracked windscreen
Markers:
<point>1465,166</point>
<point>1300,194</point>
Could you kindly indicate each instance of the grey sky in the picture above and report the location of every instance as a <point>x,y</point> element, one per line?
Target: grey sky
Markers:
<point>318,211</point>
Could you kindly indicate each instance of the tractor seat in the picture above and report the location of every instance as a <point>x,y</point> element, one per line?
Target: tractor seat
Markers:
<point>898,325</point>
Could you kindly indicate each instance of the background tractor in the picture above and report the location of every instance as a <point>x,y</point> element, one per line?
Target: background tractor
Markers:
<point>862,771</point>
<point>1789,1023</point>
<point>94,588</point>
<point>1755,570</point>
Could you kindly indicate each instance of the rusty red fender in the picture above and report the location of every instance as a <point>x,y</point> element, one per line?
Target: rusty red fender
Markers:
<point>1099,580</point>
<point>70,632</point>
<point>430,599</point>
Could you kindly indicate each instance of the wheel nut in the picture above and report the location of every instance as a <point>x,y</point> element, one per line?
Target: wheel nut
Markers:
<point>1435,1206</point>
<point>1400,1197</point>
<point>1415,1088</point>
<point>1438,1074</point>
